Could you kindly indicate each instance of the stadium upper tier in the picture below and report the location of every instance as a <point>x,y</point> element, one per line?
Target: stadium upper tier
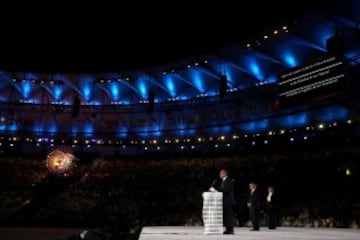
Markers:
<point>235,89</point>
<point>247,64</point>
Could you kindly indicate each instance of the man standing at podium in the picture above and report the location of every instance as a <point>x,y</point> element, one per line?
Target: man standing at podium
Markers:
<point>225,185</point>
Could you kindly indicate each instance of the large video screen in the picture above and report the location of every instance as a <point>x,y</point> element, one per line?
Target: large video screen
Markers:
<point>317,80</point>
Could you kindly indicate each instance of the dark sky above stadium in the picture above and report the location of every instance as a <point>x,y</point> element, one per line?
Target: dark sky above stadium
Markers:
<point>116,38</point>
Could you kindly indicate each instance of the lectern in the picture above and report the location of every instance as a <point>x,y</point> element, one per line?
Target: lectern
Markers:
<point>213,212</point>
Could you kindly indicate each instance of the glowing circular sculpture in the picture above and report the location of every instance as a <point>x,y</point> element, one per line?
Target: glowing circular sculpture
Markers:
<point>60,161</point>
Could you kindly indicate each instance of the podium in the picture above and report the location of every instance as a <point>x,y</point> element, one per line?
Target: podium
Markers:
<point>212,212</point>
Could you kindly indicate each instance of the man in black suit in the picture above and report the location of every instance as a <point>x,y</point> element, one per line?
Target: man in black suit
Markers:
<point>225,185</point>
<point>270,208</point>
<point>254,205</point>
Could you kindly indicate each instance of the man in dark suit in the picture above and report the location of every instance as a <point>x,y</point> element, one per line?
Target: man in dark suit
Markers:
<point>270,208</point>
<point>225,185</point>
<point>254,205</point>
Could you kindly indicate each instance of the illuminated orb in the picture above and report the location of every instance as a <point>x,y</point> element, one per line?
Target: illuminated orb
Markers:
<point>60,161</point>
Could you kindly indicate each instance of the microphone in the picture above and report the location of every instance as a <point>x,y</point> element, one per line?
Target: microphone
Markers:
<point>214,182</point>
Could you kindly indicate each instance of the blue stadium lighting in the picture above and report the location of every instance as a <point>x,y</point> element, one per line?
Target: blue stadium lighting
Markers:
<point>181,132</point>
<point>212,93</point>
<point>67,102</point>
<point>183,97</point>
<point>271,79</point>
<point>147,129</point>
<point>88,128</point>
<point>306,46</point>
<point>95,103</point>
<point>190,132</point>
<point>13,127</point>
<point>333,114</point>
<point>221,130</point>
<point>230,75</point>
<point>26,90</point>
<point>37,127</point>
<point>144,134</point>
<point>122,132</point>
<point>86,91</point>
<point>353,54</point>
<point>170,85</point>
<point>319,33</point>
<point>215,130</point>
<point>255,69</point>
<point>197,81</point>
<point>181,126</point>
<point>125,101</point>
<point>255,126</point>
<point>57,93</point>
<point>223,68</point>
<point>156,134</point>
<point>114,89</point>
<point>53,128</point>
<point>226,129</point>
<point>32,101</point>
<point>323,34</point>
<point>143,89</point>
<point>297,120</point>
<point>289,59</point>
<point>74,129</point>
<point>244,68</point>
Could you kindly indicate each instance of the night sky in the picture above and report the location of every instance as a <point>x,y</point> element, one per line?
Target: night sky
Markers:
<point>116,38</point>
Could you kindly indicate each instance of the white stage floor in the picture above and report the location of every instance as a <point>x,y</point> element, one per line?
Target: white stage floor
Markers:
<point>281,233</point>
<point>193,233</point>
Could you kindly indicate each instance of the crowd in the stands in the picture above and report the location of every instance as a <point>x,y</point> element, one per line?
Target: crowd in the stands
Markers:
<point>316,189</point>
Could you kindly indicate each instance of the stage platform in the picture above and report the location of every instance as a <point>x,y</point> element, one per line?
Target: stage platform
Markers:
<point>281,233</point>
<point>192,233</point>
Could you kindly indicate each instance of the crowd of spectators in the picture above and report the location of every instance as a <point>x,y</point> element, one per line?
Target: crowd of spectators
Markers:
<point>316,189</point>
